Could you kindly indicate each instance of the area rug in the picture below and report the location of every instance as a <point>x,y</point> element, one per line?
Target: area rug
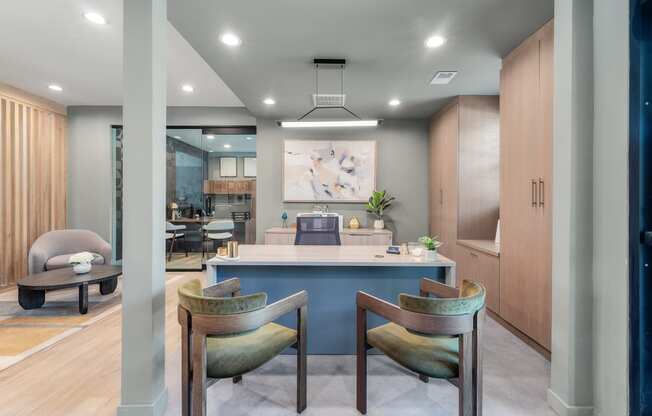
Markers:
<point>25,332</point>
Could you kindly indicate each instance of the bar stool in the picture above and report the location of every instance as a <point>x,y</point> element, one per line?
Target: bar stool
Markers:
<point>218,230</point>
<point>172,233</point>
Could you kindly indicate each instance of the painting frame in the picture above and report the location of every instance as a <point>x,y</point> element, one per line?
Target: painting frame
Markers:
<point>245,166</point>
<point>373,146</point>
<point>231,167</point>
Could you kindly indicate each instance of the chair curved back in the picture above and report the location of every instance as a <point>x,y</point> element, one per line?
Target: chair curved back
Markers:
<point>62,242</point>
<point>220,225</point>
<point>169,227</point>
<point>472,299</point>
<point>191,297</point>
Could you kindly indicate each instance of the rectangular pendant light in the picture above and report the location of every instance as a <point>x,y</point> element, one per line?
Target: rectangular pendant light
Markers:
<point>328,124</point>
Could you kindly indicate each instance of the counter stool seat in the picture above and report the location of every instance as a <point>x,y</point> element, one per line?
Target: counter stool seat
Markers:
<point>219,236</point>
<point>434,356</point>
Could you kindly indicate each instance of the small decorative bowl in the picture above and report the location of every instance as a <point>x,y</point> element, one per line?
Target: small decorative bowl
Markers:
<point>82,268</point>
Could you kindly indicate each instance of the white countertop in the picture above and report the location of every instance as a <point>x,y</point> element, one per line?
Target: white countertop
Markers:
<point>486,246</point>
<point>345,230</point>
<point>287,255</point>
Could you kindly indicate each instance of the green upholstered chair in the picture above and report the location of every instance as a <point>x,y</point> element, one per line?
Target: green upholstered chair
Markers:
<point>225,335</point>
<point>436,337</point>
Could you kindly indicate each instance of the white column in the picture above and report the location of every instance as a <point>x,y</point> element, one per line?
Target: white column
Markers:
<point>571,387</point>
<point>143,298</point>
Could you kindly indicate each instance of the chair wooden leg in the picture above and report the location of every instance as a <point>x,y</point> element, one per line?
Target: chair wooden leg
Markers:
<point>198,375</point>
<point>361,368</point>
<point>186,366</point>
<point>302,359</point>
<point>174,237</point>
<point>477,362</point>
<point>465,386</point>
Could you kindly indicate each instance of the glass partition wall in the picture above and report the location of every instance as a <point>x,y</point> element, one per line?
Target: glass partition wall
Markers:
<point>210,192</point>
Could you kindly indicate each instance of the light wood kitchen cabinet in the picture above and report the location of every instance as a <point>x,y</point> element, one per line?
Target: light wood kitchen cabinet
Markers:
<point>463,172</point>
<point>246,186</point>
<point>348,237</point>
<point>525,186</point>
<point>479,261</point>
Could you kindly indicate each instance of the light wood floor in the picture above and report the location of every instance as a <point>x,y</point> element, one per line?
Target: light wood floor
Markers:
<point>81,374</point>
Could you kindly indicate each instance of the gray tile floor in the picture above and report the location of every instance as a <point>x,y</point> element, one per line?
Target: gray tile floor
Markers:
<point>515,383</point>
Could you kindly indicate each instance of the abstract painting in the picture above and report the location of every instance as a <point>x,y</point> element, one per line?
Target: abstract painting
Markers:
<point>328,171</point>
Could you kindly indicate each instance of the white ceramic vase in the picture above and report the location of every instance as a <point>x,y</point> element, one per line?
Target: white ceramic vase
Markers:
<point>379,224</point>
<point>82,268</point>
<point>431,255</point>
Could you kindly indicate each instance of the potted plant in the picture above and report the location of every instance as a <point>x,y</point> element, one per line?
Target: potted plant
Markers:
<point>431,244</point>
<point>377,205</point>
<point>82,262</point>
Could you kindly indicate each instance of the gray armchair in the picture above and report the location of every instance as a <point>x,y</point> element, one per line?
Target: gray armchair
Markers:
<point>53,249</point>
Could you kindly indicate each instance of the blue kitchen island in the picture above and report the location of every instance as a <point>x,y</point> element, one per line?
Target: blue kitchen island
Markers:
<point>332,275</point>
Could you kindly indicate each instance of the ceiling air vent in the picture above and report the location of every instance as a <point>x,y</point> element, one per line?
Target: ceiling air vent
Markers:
<point>443,77</point>
<point>328,100</point>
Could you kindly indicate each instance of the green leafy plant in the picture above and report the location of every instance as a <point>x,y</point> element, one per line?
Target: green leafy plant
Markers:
<point>430,243</point>
<point>378,203</point>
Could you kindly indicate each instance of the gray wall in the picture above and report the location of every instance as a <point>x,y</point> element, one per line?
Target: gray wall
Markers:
<point>89,166</point>
<point>572,264</point>
<point>610,207</point>
<point>402,170</point>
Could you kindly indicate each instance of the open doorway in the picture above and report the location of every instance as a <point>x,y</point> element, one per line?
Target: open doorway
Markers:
<point>210,192</point>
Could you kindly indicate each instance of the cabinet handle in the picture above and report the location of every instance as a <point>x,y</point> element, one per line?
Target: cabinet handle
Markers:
<point>541,191</point>
<point>534,192</point>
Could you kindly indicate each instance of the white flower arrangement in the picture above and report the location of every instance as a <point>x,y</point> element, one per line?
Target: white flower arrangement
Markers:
<point>81,258</point>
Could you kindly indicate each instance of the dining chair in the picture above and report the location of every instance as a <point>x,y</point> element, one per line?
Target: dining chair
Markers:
<point>438,337</point>
<point>219,230</point>
<point>174,232</point>
<point>226,334</point>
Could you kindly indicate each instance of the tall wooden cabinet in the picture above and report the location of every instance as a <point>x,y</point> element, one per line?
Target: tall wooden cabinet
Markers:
<point>526,91</point>
<point>444,132</point>
<point>464,171</point>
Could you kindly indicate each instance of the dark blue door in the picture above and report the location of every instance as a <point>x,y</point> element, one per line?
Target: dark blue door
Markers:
<point>641,208</point>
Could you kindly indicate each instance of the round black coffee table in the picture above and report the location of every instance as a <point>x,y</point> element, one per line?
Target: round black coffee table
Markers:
<point>31,289</point>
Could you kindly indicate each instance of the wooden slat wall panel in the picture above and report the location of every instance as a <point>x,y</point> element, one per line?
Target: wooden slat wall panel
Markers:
<point>33,165</point>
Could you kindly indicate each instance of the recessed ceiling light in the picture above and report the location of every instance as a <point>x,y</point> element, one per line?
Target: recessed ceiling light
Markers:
<point>227,146</point>
<point>55,87</point>
<point>250,138</point>
<point>230,39</point>
<point>187,88</point>
<point>435,41</point>
<point>394,102</point>
<point>269,101</point>
<point>210,136</point>
<point>176,137</point>
<point>96,18</point>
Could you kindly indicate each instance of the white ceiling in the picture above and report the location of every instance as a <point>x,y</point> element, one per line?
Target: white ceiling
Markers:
<point>382,40</point>
<point>48,41</point>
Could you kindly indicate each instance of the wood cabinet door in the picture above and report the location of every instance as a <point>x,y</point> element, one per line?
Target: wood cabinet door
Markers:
<point>381,239</point>
<point>354,239</point>
<point>518,184</point>
<point>435,169</point>
<point>443,167</point>
<point>541,276</point>
<point>482,268</point>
